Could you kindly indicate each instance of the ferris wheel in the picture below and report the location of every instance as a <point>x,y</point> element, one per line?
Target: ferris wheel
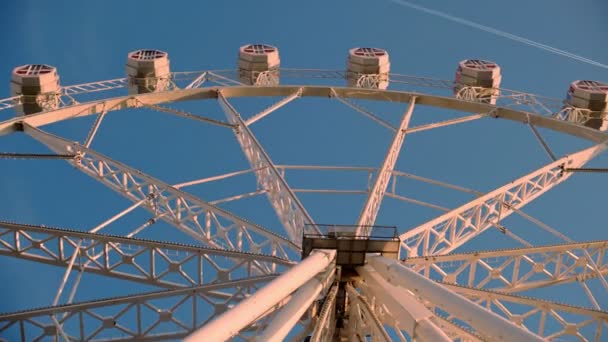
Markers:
<point>308,281</point>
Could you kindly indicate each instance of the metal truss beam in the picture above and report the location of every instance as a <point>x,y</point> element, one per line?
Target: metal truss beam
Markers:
<point>399,308</point>
<point>449,231</point>
<point>325,328</point>
<point>219,228</point>
<point>372,205</point>
<point>544,318</point>
<point>95,86</point>
<point>515,270</point>
<point>162,264</point>
<point>362,320</point>
<point>486,323</point>
<point>290,211</point>
<point>169,314</point>
<point>231,322</point>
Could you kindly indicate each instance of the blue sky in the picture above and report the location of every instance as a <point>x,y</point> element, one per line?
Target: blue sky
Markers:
<point>88,41</point>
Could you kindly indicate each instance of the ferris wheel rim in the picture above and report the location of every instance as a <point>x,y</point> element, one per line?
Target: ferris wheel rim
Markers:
<point>209,93</point>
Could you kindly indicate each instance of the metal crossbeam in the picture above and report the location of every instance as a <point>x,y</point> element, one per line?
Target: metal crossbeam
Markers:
<point>191,116</point>
<point>544,318</point>
<point>198,81</point>
<point>445,123</point>
<point>515,270</point>
<point>364,111</point>
<point>290,211</point>
<point>113,318</point>
<point>362,320</point>
<point>372,205</point>
<point>95,86</point>
<point>449,231</point>
<point>162,264</point>
<point>273,107</point>
<point>219,228</point>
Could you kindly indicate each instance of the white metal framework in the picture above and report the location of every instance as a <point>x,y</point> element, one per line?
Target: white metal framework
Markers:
<point>240,280</point>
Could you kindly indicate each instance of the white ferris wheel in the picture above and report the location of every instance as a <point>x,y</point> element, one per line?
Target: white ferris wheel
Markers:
<point>312,281</point>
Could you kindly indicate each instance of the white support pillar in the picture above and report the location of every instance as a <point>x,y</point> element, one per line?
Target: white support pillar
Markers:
<point>291,312</point>
<point>485,322</point>
<point>231,322</point>
<point>376,194</point>
<point>403,307</point>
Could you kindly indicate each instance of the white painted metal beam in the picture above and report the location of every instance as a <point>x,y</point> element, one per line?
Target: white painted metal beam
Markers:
<point>162,264</point>
<point>193,216</point>
<point>87,321</point>
<point>273,107</point>
<point>231,322</point>
<point>176,95</point>
<point>449,231</point>
<point>288,207</point>
<point>372,205</point>
<point>288,315</point>
<point>402,307</point>
<point>516,270</point>
<point>485,322</point>
<point>533,313</point>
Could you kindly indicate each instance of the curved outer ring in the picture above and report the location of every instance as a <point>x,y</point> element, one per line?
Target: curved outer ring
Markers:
<point>123,102</point>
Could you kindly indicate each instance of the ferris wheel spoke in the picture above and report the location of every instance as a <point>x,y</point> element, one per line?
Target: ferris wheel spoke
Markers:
<point>301,300</point>
<point>372,204</point>
<point>288,207</point>
<point>398,308</point>
<point>114,317</point>
<point>535,314</point>
<point>486,323</point>
<point>516,270</point>
<point>155,263</point>
<point>318,263</point>
<point>449,231</point>
<point>221,229</point>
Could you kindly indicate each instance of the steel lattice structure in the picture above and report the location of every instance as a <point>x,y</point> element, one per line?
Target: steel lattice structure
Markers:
<point>241,280</point>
